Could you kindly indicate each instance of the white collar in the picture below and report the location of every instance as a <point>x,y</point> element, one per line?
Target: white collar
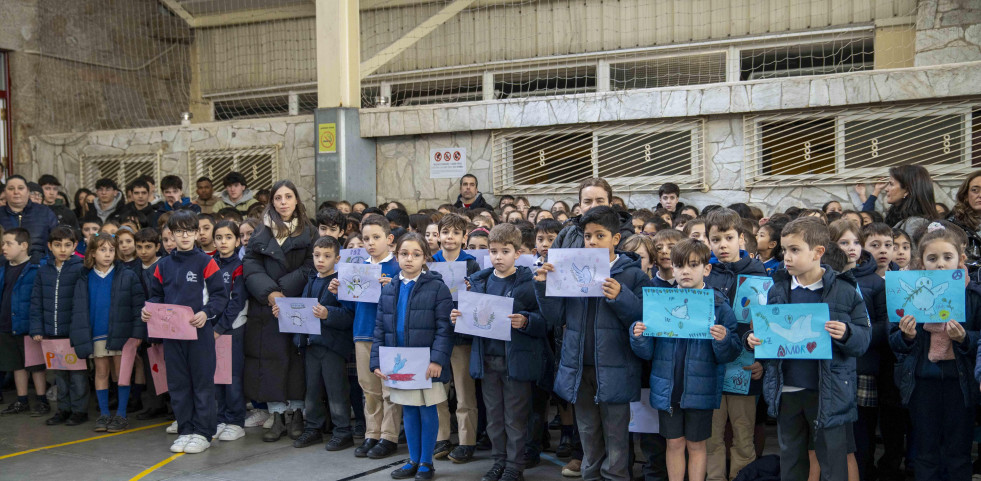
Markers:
<point>386,259</point>
<point>614,261</point>
<point>672,281</point>
<point>103,274</point>
<point>406,281</point>
<point>794,284</point>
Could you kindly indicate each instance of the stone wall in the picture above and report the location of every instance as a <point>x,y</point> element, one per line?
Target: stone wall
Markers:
<point>948,31</point>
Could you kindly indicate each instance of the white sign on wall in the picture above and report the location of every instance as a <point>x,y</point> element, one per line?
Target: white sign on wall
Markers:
<point>447,163</point>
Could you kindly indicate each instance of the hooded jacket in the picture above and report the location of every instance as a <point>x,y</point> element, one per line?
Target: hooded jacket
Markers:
<point>37,219</point>
<point>95,208</point>
<point>125,308</point>
<point>243,203</point>
<point>873,290</point>
<point>571,235</point>
<point>52,296</point>
<point>478,202</point>
<point>233,316</point>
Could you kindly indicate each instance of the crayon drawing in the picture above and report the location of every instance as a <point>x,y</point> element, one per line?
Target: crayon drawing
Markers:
<point>484,315</point>
<point>296,315</point>
<point>578,272</point>
<point>792,331</point>
<point>454,275</point>
<point>643,417</point>
<point>359,282</point>
<point>736,379</point>
<point>750,291</point>
<point>405,367</point>
<point>158,368</point>
<point>928,296</point>
<point>354,256</point>
<point>60,356</point>
<point>170,321</point>
<point>679,313</point>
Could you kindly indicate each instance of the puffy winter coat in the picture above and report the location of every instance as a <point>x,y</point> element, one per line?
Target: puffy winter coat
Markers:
<point>571,235</point>
<point>20,304</point>
<point>52,297</point>
<point>124,313</point>
<point>873,290</point>
<point>37,219</point>
<point>335,331</point>
<point>724,275</point>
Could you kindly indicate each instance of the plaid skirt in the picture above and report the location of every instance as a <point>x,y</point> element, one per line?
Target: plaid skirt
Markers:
<point>868,393</point>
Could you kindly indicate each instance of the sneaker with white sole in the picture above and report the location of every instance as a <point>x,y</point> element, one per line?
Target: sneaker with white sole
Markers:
<point>221,427</point>
<point>197,444</point>
<point>172,429</point>
<point>257,418</point>
<point>180,443</point>
<point>231,433</point>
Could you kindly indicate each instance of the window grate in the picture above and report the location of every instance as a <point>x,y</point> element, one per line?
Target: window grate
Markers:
<point>259,165</point>
<point>123,169</point>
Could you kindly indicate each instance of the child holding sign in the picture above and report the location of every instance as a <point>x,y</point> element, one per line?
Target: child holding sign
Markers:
<point>936,361</point>
<point>231,397</point>
<point>509,369</point>
<point>414,311</point>
<point>809,397</point>
<point>686,374</point>
<point>106,314</point>
<point>17,274</point>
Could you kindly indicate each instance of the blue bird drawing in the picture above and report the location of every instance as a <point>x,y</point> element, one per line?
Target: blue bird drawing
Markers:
<point>584,277</point>
<point>399,363</point>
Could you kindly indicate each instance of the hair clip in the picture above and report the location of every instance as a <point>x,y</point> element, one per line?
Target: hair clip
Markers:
<point>935,226</point>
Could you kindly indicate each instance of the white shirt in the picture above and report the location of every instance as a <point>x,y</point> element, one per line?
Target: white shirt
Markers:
<point>406,281</point>
<point>794,284</point>
<point>386,259</point>
<point>103,274</point>
<point>614,261</point>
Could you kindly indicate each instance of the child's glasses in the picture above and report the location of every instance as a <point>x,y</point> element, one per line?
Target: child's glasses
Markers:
<point>184,233</point>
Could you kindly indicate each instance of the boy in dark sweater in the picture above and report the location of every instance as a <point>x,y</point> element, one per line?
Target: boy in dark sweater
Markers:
<point>17,274</point>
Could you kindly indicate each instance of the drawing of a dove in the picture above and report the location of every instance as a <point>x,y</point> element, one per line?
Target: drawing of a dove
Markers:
<point>760,296</point>
<point>924,294</point>
<point>681,312</point>
<point>399,363</point>
<point>356,286</point>
<point>799,330</point>
<point>584,276</point>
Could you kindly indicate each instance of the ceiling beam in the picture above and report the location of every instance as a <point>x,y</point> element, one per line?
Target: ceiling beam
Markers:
<point>253,16</point>
<point>178,10</point>
<point>369,66</point>
<point>377,4</point>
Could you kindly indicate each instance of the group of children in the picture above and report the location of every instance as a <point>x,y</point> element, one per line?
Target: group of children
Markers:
<point>907,381</point>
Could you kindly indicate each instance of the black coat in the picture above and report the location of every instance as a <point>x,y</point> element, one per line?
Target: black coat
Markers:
<point>273,366</point>
<point>335,331</point>
<point>478,203</point>
<point>52,297</point>
<point>873,290</point>
<point>125,321</point>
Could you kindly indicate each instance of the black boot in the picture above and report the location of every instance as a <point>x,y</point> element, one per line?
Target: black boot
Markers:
<point>277,430</point>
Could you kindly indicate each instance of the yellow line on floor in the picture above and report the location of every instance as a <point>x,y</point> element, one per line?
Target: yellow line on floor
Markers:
<point>155,467</point>
<point>84,440</point>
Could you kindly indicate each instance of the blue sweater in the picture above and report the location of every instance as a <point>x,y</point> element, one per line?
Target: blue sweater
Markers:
<point>366,312</point>
<point>100,297</point>
<point>402,309</point>
<point>231,278</point>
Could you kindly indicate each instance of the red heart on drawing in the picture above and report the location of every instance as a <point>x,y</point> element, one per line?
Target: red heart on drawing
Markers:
<point>900,312</point>
<point>155,368</point>
<point>811,346</point>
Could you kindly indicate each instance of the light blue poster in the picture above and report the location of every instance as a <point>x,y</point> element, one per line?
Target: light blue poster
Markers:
<point>680,313</point>
<point>750,291</point>
<point>929,296</point>
<point>736,378</point>
<point>792,331</point>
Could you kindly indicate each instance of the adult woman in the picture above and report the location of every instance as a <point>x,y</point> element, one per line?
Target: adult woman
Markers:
<point>21,212</point>
<point>277,261</point>
<point>909,193</point>
<point>83,199</point>
<point>967,216</point>
<point>560,206</point>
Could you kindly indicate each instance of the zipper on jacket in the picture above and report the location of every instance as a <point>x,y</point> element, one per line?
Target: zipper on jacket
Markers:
<point>57,283</point>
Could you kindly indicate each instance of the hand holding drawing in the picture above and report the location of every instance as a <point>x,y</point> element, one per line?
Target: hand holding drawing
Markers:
<point>272,297</point>
<point>541,274</point>
<point>639,329</point>
<point>145,315</point>
<point>454,315</point>
<point>37,338</point>
<point>320,312</point>
<point>434,370</point>
<point>518,321</point>
<point>753,341</point>
<point>275,310</point>
<point>718,332</point>
<point>955,331</point>
<point>378,372</point>
<point>756,368</point>
<point>384,280</point>
<point>837,329</point>
<point>611,288</point>
<point>908,325</point>
<point>334,284</point>
<point>199,319</point>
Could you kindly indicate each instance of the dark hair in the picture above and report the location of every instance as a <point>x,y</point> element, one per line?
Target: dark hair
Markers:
<point>299,212</point>
<point>21,235</point>
<point>944,210</point>
<point>595,182</point>
<point>506,234</point>
<point>824,208</point>
<point>148,179</point>
<point>419,222</point>
<point>963,213</point>
<point>328,242</point>
<point>919,201</point>
<point>184,219</point>
<point>658,223</point>
<point>231,225</point>
<point>62,232</point>
<point>171,182</point>
<point>668,188</point>
<point>138,183</point>
<point>417,238</point>
<point>330,218</point>
<point>471,176</point>
<point>103,183</point>
<point>690,225</point>
<point>722,219</point>
<point>477,233</point>
<point>207,217</point>
<point>643,214</point>
<point>773,232</point>
<point>398,205</point>
<point>453,221</point>
<point>548,226</point>
<point>690,207</point>
<point>399,217</point>
<point>147,234</point>
<point>942,231</point>
<point>793,212</point>
<point>93,244</point>
<point>682,252</point>
<point>229,213</point>
<point>80,193</point>
<point>833,216</point>
<point>234,178</point>
<point>897,233</point>
<point>92,219</point>
<point>742,209</point>
<point>749,239</point>
<point>48,179</point>
<point>203,179</point>
<point>378,220</point>
<point>604,216</point>
<point>819,214</point>
<point>812,231</point>
<point>876,228</point>
<point>563,204</point>
<point>373,210</point>
<point>835,257</point>
<point>527,234</point>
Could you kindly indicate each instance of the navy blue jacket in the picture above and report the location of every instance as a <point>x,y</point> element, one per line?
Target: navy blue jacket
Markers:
<point>427,324</point>
<point>705,363</point>
<point>125,309</point>
<point>335,331</point>
<point>189,278</point>
<point>526,352</point>
<point>724,277</point>
<point>37,219</point>
<point>873,290</point>
<point>837,380</point>
<point>618,370</point>
<point>163,206</point>
<point>52,297</point>
<point>230,269</point>
<point>20,305</point>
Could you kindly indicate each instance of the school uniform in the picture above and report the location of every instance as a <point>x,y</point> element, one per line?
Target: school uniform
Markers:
<point>16,284</point>
<point>156,403</point>
<point>192,279</point>
<point>231,397</point>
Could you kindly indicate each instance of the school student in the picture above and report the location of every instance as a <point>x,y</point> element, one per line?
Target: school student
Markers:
<point>414,311</point>
<point>147,242</point>
<point>330,222</point>
<point>189,277</point>
<point>877,240</point>
<point>664,241</point>
<point>206,233</point>
<point>231,397</point>
<point>17,273</point>
<point>811,399</point>
<point>768,247</point>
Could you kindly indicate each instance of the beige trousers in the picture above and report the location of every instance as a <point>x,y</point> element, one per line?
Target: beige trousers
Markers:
<point>382,418</point>
<point>466,400</point>
<point>741,413</point>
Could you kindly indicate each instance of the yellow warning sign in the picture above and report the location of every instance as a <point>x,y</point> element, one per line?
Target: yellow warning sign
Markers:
<point>327,138</point>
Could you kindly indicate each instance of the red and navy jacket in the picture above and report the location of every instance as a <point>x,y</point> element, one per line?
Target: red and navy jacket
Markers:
<point>230,269</point>
<point>189,278</point>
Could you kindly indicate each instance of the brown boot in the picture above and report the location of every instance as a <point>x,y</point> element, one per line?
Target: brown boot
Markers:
<point>277,430</point>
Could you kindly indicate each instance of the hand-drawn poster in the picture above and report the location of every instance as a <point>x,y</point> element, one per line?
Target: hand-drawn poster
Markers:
<point>170,321</point>
<point>737,379</point>
<point>454,275</point>
<point>578,272</point>
<point>929,296</point>
<point>484,315</point>
<point>296,315</point>
<point>405,367</point>
<point>33,355</point>
<point>223,359</point>
<point>359,282</point>
<point>792,331</point>
<point>643,417</point>
<point>353,256</point>
<point>60,356</point>
<point>158,368</point>
<point>127,361</point>
<point>481,255</point>
<point>679,313</point>
<point>750,291</point>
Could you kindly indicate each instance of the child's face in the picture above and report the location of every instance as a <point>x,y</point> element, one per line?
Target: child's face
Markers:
<point>104,256</point>
<point>109,229</point>
<point>173,195</point>
<point>669,202</point>
<point>235,191</point>
<point>938,255</point>
<point>168,240</point>
<point>880,246</point>
<point>543,242</point>
<point>798,257</point>
<point>650,228</point>
<point>185,239</point>
<point>62,249</point>
<point>866,218</point>
<point>127,247</point>
<point>451,239</point>
<point>411,258</point>
<point>850,244</point>
<point>225,242</point>
<point>432,237</point>
<point>331,231</point>
<point>763,243</point>
<point>354,243</point>
<point>147,251</point>
<point>689,211</point>
<point>697,232</point>
<point>245,231</point>
<point>663,250</point>
<point>638,225</point>
<point>667,219</point>
<point>514,216</point>
<point>645,258</point>
<point>724,243</point>
<point>13,250</point>
<point>88,229</point>
<point>833,207</point>
<point>206,234</point>
<point>503,256</point>
<point>691,275</point>
<point>344,208</point>
<point>376,242</point>
<point>597,236</point>
<point>324,259</point>
<point>854,217</point>
<point>902,251</point>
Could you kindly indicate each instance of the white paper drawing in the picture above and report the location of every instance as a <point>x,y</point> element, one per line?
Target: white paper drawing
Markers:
<point>643,417</point>
<point>578,272</point>
<point>454,275</point>
<point>484,315</point>
<point>405,367</point>
<point>359,282</point>
<point>353,256</point>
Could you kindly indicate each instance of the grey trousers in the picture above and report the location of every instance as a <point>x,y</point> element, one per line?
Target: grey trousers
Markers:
<point>603,430</point>
<point>508,406</point>
<point>327,371</point>
<point>73,390</point>
<point>795,425</point>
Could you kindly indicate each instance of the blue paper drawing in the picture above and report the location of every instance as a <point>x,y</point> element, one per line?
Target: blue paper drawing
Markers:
<point>353,256</point>
<point>736,379</point>
<point>792,331</point>
<point>750,291</point>
<point>405,367</point>
<point>399,363</point>
<point>679,313</point>
<point>485,315</point>
<point>578,272</point>
<point>929,296</point>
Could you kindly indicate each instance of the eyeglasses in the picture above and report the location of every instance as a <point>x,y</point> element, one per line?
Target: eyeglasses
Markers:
<point>184,233</point>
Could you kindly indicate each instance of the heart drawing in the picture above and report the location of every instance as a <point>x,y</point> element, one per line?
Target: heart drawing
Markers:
<point>811,346</point>
<point>900,312</point>
<point>155,368</point>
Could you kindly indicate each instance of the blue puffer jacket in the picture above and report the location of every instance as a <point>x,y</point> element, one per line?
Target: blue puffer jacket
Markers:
<point>873,290</point>
<point>20,305</point>
<point>37,219</point>
<point>335,331</point>
<point>705,363</point>
<point>838,383</point>
<point>618,370</point>
<point>427,324</point>
<point>526,352</point>
<point>124,314</point>
<point>52,297</point>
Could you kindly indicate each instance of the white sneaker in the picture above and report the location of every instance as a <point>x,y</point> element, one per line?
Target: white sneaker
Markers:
<point>257,418</point>
<point>180,443</point>
<point>218,431</point>
<point>196,444</point>
<point>172,429</point>
<point>269,422</point>
<point>231,433</point>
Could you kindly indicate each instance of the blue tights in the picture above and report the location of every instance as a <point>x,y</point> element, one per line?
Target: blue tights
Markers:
<point>421,427</point>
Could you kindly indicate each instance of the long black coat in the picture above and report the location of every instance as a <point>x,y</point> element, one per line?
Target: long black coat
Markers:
<point>273,365</point>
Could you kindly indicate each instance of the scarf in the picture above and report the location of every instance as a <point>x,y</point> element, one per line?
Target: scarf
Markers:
<point>280,236</point>
<point>941,346</point>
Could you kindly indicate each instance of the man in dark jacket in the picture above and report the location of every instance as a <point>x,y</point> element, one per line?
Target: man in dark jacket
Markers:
<point>21,212</point>
<point>108,199</point>
<point>593,192</point>
<point>139,206</point>
<point>49,191</point>
<point>173,190</point>
<point>470,197</point>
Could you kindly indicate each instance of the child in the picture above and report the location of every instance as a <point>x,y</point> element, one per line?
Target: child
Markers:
<point>382,416</point>
<point>231,397</point>
<point>695,229</point>
<point>106,314</point>
<point>90,225</point>
<point>686,374</point>
<point>508,369</point>
<point>206,234</point>
<point>51,318</point>
<point>191,278</point>
<point>902,248</point>
<point>668,195</point>
<point>664,241</point>
<point>126,240</point>
<point>936,364</point>
<point>168,243</point>
<point>597,372</point>
<point>17,273</point>
<point>414,311</point>
<point>354,241</point>
<point>109,227</point>
<point>768,247</point>
<point>477,240</point>
<point>432,236</point>
<point>330,222</point>
<point>147,242</point>
<point>643,246</point>
<point>325,354</point>
<point>545,233</point>
<point>878,242</point>
<point>808,398</point>
<point>245,230</point>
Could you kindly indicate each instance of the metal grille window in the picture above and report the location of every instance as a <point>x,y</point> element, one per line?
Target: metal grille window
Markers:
<point>121,168</point>
<point>633,157</point>
<point>259,165</point>
<point>859,145</point>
